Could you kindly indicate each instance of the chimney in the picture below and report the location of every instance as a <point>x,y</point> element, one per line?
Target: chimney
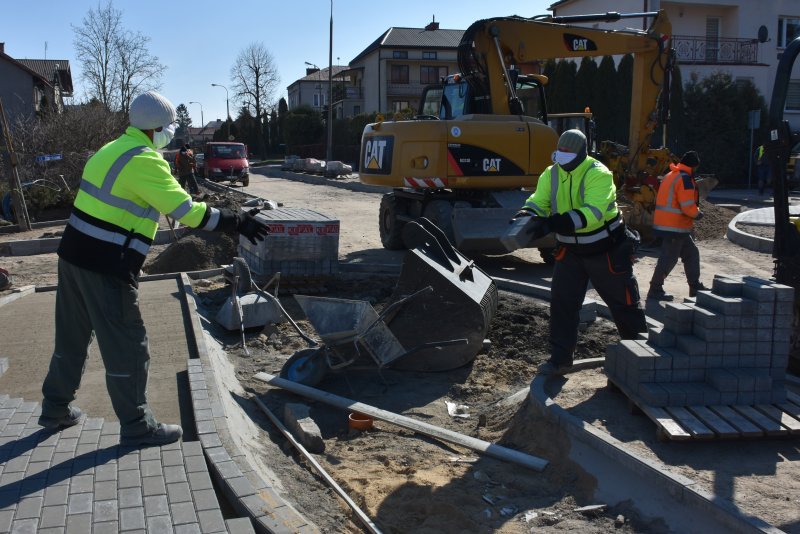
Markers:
<point>2,48</point>
<point>311,70</point>
<point>433,25</point>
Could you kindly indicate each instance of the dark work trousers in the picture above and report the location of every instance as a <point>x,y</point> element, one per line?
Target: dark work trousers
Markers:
<point>193,189</point>
<point>611,274</point>
<point>88,305</point>
<point>673,247</point>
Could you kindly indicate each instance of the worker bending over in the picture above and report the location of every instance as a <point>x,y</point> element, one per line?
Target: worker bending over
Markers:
<point>576,199</point>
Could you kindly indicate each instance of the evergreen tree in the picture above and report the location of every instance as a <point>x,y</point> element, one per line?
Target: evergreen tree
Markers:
<point>283,111</point>
<point>585,85</point>
<point>303,126</point>
<point>604,96</point>
<point>622,100</point>
<point>677,119</point>
<point>273,131</point>
<point>183,118</point>
<point>561,96</point>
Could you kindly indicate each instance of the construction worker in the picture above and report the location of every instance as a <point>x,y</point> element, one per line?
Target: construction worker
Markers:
<point>185,165</point>
<point>126,186</point>
<point>576,199</point>
<point>677,208</point>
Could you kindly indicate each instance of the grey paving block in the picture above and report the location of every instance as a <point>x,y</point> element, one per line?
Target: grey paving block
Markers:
<point>29,507</point>
<point>782,321</point>
<point>153,486</point>
<point>24,526</point>
<point>218,454</point>
<point>240,525</point>
<point>783,293</point>
<point>663,376</point>
<point>746,398</point>
<point>105,473</point>
<point>192,528</point>
<point>680,375</point>
<point>727,287</point>
<point>691,345</point>
<point>707,318</point>
<point>192,448</point>
<point>129,461</point>
<point>730,348</point>
<point>132,518</point>
<point>677,312</point>
<point>53,516</point>
<point>764,321</point>
<point>183,513</point>
<point>80,504</point>
<point>106,510</point>
<point>746,380</point>
<point>172,458</point>
<point>677,327</point>
<point>210,440</point>
<point>110,428</point>
<point>6,516</point>
<point>732,322</point>
<point>159,525</point>
<point>660,337</point>
<point>241,486</point>
<point>205,499</point>
<point>55,496</point>
<point>227,469</point>
<point>79,524</point>
<point>676,395</point>
<point>195,463</point>
<point>747,333</point>
<point>211,521</point>
<point>653,394</point>
<point>156,505</point>
<point>722,380</point>
<point>130,497</point>
<point>175,473</point>
<point>731,334</point>
<point>106,490</point>
<point>150,453</point>
<point>129,478</point>
<point>199,480</point>
<point>151,468</point>
<point>179,492</point>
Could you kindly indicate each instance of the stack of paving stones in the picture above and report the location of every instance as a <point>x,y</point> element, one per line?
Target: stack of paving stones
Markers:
<point>81,480</point>
<point>729,347</point>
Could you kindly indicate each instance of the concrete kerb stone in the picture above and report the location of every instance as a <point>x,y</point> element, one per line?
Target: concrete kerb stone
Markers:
<point>32,247</point>
<point>745,240</point>
<point>621,473</point>
<point>356,186</point>
<point>245,490</point>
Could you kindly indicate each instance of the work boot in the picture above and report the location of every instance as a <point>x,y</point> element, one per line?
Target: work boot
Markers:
<point>657,293</point>
<point>694,288</point>
<point>57,423</point>
<point>549,368</point>
<point>162,435</point>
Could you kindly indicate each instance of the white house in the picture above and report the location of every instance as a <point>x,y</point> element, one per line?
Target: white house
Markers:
<point>718,35</point>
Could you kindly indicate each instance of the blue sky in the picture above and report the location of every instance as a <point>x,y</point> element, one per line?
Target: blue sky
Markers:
<point>199,41</point>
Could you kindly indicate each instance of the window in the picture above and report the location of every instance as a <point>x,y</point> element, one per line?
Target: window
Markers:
<point>316,100</point>
<point>793,96</point>
<point>399,74</point>
<point>712,38</point>
<point>429,74</point>
<point>399,105</point>
<point>400,54</point>
<point>356,110</point>
<point>429,55</point>
<point>788,30</point>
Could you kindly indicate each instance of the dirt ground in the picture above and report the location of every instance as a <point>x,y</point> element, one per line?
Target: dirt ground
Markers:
<point>407,482</point>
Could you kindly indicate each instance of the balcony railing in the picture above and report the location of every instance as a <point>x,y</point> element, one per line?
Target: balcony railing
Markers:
<point>403,89</point>
<point>726,50</point>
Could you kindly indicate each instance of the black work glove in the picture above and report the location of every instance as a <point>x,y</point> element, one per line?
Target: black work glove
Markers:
<point>699,216</point>
<point>252,228</point>
<point>561,223</point>
<point>520,213</point>
<point>244,223</point>
<point>539,227</point>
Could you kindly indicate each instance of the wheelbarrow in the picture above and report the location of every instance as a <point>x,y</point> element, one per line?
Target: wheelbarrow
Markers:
<point>350,330</point>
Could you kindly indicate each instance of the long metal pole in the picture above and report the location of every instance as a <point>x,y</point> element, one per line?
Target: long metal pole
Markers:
<point>329,153</point>
<point>750,165</point>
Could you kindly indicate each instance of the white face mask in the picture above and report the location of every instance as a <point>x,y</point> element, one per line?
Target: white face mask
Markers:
<point>562,158</point>
<point>162,138</point>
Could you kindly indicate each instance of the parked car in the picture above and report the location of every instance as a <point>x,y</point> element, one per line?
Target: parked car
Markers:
<point>200,164</point>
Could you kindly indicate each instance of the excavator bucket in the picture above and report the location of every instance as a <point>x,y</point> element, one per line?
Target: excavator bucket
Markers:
<point>460,306</point>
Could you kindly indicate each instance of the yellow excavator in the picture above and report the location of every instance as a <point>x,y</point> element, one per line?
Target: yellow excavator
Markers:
<point>472,156</point>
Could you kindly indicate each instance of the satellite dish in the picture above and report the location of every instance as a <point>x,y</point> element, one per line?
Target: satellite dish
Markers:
<point>763,34</point>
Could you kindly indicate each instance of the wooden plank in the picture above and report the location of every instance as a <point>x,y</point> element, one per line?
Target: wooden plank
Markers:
<point>691,423</point>
<point>791,409</point>
<point>665,422</point>
<point>776,414</point>
<point>770,427</point>
<point>720,427</point>
<point>743,425</point>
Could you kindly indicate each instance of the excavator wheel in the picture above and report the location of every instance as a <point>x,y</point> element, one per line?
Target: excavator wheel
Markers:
<point>440,213</point>
<point>391,228</point>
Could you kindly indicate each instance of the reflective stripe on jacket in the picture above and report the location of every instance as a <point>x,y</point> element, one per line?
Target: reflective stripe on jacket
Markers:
<point>587,194</point>
<point>676,202</point>
<point>125,187</point>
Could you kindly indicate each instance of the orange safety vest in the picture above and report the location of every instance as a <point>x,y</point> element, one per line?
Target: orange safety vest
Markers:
<point>676,203</point>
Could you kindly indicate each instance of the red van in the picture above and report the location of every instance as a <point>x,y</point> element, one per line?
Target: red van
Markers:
<point>227,162</point>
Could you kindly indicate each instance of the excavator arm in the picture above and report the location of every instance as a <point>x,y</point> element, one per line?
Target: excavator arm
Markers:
<point>490,48</point>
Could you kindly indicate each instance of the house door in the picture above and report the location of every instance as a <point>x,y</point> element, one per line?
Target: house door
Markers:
<point>712,39</point>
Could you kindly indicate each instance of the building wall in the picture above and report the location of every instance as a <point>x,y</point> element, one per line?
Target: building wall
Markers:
<point>739,19</point>
<point>16,90</point>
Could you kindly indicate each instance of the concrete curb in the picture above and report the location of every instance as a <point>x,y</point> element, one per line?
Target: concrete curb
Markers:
<point>622,473</point>
<point>32,247</point>
<point>745,240</point>
<point>241,484</point>
<point>272,172</point>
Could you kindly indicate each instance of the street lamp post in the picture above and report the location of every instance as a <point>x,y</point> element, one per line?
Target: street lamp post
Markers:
<point>202,120</point>
<point>329,151</point>
<point>227,106</point>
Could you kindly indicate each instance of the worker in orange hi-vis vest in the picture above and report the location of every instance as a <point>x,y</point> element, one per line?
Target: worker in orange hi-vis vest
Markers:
<point>677,209</point>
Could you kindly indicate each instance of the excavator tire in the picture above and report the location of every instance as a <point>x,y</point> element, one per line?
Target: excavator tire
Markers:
<point>440,213</point>
<point>391,228</point>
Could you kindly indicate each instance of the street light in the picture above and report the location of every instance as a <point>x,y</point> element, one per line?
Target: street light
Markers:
<point>227,106</point>
<point>329,155</point>
<point>202,121</point>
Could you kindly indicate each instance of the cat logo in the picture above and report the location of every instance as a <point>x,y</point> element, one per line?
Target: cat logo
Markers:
<point>578,43</point>
<point>491,164</point>
<point>378,154</point>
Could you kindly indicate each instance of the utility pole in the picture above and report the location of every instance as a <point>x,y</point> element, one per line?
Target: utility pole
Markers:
<point>17,198</point>
<point>329,152</point>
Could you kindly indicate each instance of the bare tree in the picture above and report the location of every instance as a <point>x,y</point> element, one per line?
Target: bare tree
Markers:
<point>255,78</point>
<point>116,62</point>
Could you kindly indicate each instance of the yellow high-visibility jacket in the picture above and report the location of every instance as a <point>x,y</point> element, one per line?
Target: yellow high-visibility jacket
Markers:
<point>587,194</point>
<point>125,188</point>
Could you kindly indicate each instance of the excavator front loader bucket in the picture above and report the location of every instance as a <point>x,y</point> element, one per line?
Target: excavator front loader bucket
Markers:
<point>461,305</point>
